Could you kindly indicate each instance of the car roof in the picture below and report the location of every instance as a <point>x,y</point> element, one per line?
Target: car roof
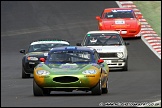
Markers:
<point>73,48</point>
<point>50,41</point>
<point>103,31</point>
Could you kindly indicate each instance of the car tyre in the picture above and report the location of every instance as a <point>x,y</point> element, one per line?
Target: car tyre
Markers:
<point>105,90</point>
<point>125,68</point>
<point>37,91</point>
<point>24,75</point>
<point>97,90</point>
<point>46,92</point>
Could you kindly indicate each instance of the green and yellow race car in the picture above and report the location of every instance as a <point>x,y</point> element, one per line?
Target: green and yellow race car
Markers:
<point>71,68</point>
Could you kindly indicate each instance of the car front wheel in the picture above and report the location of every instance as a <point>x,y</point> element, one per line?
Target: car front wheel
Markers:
<point>24,75</point>
<point>105,90</point>
<point>125,68</point>
<point>97,90</point>
<point>38,91</point>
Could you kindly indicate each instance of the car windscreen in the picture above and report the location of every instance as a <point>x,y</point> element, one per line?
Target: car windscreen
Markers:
<point>70,57</point>
<point>102,39</point>
<point>44,47</point>
<point>119,14</point>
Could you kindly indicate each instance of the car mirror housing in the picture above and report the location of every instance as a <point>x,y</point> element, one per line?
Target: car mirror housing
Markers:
<point>98,18</point>
<point>22,51</point>
<point>100,61</point>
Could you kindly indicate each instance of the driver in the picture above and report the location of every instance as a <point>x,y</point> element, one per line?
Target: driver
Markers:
<point>93,40</point>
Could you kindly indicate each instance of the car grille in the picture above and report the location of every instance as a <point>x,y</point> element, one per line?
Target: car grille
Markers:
<point>102,55</point>
<point>65,79</point>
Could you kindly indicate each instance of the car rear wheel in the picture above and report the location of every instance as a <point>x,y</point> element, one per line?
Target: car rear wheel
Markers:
<point>24,75</point>
<point>97,90</point>
<point>105,90</point>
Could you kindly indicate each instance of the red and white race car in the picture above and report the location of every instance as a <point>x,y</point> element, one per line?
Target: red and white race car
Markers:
<point>123,20</point>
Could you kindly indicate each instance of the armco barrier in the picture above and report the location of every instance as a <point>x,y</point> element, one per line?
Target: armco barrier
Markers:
<point>148,35</point>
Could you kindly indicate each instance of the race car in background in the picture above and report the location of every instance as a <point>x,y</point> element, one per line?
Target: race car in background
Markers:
<point>122,20</point>
<point>71,68</point>
<point>37,50</point>
<point>110,46</point>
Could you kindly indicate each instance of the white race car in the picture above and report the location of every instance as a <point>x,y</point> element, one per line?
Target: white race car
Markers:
<point>110,46</point>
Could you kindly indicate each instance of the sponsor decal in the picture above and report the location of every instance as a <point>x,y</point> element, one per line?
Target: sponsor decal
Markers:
<point>120,26</point>
<point>68,66</point>
<point>89,75</point>
<point>88,35</point>
<point>31,63</point>
<point>120,10</point>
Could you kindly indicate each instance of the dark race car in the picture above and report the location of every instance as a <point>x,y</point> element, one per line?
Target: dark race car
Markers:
<point>37,50</point>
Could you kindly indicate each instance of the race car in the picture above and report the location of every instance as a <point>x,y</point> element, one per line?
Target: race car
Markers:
<point>71,68</point>
<point>36,50</point>
<point>122,20</point>
<point>110,46</point>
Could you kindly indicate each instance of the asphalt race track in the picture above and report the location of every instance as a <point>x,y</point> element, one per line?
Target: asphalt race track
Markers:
<point>25,21</point>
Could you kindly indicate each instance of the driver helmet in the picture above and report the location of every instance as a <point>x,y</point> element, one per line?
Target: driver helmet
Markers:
<point>93,40</point>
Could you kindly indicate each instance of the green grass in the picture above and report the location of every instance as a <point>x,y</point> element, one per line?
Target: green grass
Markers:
<point>151,11</point>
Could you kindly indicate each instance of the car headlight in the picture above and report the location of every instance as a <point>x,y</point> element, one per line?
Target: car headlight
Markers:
<point>120,54</point>
<point>42,72</point>
<point>32,58</point>
<point>89,72</point>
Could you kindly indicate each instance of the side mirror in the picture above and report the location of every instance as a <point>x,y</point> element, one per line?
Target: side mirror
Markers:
<point>100,61</point>
<point>78,44</point>
<point>22,51</point>
<point>42,59</point>
<point>98,18</point>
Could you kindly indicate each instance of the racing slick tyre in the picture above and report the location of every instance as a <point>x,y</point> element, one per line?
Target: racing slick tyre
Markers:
<point>105,90</point>
<point>24,75</point>
<point>97,90</point>
<point>125,68</point>
<point>38,91</point>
